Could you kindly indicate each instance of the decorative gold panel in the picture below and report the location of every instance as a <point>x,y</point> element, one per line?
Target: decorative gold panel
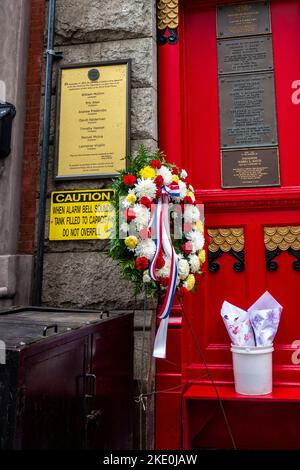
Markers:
<point>167,14</point>
<point>226,239</point>
<point>284,238</point>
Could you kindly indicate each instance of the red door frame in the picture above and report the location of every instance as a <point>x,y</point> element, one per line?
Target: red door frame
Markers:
<point>171,374</point>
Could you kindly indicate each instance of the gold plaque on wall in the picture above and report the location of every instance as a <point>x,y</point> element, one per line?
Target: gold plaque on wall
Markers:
<point>93,120</point>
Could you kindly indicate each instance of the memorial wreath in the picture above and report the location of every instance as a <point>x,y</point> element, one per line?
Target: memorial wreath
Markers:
<point>159,241</point>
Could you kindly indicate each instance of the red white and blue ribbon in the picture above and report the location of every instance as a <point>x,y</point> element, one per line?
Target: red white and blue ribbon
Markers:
<point>160,226</point>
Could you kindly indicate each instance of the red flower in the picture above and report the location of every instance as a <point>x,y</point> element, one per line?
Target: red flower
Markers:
<point>142,262</point>
<point>188,200</point>
<point>158,193</point>
<point>146,201</point>
<point>159,181</point>
<point>129,214</point>
<point>164,281</point>
<point>187,247</point>
<point>175,171</point>
<point>155,164</point>
<point>181,291</point>
<point>160,261</point>
<point>129,180</point>
<point>144,233</point>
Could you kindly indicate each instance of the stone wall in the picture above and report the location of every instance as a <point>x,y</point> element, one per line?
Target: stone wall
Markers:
<point>79,273</point>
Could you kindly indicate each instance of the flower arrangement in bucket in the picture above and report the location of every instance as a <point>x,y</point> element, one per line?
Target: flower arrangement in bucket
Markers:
<point>252,333</point>
<point>159,241</point>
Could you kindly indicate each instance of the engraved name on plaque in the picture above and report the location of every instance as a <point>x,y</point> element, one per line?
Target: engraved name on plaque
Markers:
<point>250,168</point>
<point>247,110</point>
<point>245,55</point>
<point>243,19</point>
<point>247,106</point>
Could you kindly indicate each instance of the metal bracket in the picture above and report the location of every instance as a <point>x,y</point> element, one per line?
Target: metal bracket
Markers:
<point>238,266</point>
<point>272,265</point>
<point>104,313</point>
<point>50,327</point>
<point>57,55</point>
<point>86,385</point>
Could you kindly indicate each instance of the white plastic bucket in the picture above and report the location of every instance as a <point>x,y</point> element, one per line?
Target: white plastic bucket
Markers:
<point>252,368</point>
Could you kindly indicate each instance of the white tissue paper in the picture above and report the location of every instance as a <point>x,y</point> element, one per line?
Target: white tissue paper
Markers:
<point>238,325</point>
<point>265,315</point>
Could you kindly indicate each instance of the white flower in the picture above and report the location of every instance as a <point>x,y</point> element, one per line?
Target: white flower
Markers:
<point>182,189</point>
<point>191,213</point>
<point>146,277</point>
<point>194,263</point>
<point>165,271</point>
<point>183,174</point>
<point>142,216</point>
<point>146,248</point>
<point>124,228</point>
<point>145,188</point>
<point>183,269</point>
<point>197,240</point>
<point>166,174</point>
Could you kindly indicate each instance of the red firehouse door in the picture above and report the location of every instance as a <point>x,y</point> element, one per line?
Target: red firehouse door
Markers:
<point>254,227</point>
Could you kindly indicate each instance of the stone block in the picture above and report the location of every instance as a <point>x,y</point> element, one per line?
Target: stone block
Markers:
<point>90,280</point>
<point>143,114</point>
<point>7,276</point>
<point>142,53</point>
<point>149,144</point>
<point>25,266</point>
<point>89,21</point>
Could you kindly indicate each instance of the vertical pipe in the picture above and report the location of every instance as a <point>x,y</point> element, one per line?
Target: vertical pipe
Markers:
<point>38,281</point>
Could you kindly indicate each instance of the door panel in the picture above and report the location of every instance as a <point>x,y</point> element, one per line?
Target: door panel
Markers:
<point>251,209</point>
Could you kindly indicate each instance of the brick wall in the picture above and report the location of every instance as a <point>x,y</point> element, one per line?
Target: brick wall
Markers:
<point>32,127</point>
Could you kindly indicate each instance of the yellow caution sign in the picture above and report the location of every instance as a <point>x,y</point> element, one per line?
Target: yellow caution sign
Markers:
<point>81,215</point>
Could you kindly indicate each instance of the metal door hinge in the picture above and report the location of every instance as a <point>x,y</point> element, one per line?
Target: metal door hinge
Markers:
<point>86,385</point>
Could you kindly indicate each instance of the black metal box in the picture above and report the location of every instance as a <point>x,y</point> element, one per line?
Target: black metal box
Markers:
<point>67,380</point>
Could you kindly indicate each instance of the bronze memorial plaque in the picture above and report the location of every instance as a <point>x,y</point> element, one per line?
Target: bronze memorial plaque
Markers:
<point>245,54</point>
<point>243,19</point>
<point>246,168</point>
<point>247,110</point>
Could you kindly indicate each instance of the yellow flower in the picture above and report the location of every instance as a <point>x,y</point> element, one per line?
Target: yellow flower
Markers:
<point>131,198</point>
<point>175,178</point>
<point>147,173</point>
<point>202,256</point>
<point>190,282</point>
<point>199,226</point>
<point>191,194</point>
<point>131,242</point>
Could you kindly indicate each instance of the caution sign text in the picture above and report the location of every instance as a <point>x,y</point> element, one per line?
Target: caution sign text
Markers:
<point>81,215</point>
